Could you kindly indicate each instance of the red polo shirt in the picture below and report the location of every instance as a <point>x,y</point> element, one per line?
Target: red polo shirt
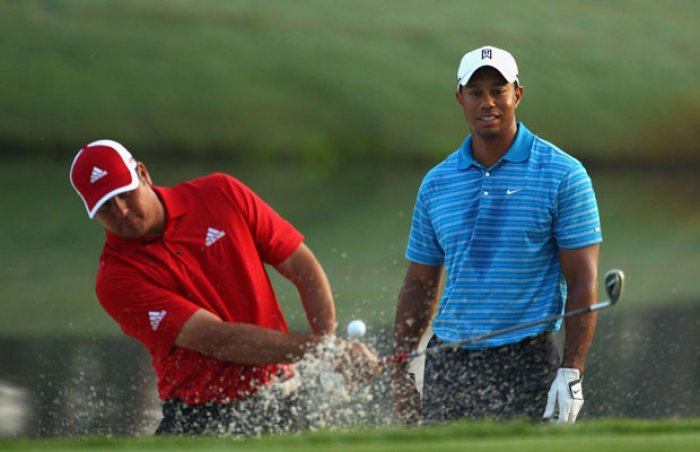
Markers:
<point>217,237</point>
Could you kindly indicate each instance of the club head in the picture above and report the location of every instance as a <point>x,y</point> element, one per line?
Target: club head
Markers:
<point>614,283</point>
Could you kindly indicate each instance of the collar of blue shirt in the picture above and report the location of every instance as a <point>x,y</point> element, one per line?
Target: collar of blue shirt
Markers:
<point>519,151</point>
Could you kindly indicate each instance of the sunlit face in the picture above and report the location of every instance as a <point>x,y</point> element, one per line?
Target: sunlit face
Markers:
<point>489,104</point>
<point>134,214</point>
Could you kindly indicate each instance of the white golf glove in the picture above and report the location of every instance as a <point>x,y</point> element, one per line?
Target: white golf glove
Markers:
<point>565,396</point>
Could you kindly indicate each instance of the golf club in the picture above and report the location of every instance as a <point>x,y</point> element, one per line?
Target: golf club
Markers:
<point>614,283</point>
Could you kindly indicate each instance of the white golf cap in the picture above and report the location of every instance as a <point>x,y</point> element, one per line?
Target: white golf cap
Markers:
<point>494,57</point>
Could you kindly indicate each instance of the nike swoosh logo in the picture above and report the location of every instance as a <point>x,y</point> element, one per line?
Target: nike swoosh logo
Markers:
<point>510,192</point>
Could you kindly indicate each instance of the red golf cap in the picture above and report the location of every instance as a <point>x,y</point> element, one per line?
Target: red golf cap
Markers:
<point>101,170</point>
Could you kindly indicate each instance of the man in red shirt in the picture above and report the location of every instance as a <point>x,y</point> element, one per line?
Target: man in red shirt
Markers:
<point>182,271</point>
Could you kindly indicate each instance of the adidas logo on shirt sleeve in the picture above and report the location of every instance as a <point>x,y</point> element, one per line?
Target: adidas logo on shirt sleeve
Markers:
<point>155,317</point>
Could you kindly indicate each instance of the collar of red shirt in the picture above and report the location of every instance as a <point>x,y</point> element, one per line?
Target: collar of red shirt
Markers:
<point>175,207</point>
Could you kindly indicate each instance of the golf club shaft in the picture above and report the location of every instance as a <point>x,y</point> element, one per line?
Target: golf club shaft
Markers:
<point>404,357</point>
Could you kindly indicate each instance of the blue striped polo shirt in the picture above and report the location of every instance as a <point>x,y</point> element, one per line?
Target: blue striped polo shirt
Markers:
<point>498,231</point>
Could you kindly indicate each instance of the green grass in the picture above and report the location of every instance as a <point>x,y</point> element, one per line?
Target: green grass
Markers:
<point>356,220</point>
<point>328,81</point>
<point>605,435</point>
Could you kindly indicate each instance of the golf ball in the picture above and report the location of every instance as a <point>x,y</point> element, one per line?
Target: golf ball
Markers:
<point>356,329</point>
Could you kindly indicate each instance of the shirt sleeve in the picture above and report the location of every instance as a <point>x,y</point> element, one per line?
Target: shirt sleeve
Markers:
<point>275,238</point>
<point>423,245</point>
<point>577,223</point>
<point>150,314</point>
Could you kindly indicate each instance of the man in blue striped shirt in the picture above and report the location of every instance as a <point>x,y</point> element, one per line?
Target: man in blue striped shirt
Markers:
<point>514,223</point>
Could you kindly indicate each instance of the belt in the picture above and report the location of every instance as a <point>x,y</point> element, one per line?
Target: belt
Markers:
<point>541,338</point>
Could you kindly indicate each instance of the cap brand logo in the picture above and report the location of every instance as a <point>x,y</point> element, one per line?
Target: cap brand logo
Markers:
<point>486,53</point>
<point>97,174</point>
<point>213,235</point>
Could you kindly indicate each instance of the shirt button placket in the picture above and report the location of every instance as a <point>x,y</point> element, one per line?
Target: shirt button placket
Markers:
<point>485,185</point>
<point>182,263</point>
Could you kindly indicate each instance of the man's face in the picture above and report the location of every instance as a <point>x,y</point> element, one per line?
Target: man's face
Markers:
<point>489,103</point>
<point>133,214</point>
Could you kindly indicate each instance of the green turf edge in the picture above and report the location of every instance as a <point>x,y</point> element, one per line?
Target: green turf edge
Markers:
<point>388,435</point>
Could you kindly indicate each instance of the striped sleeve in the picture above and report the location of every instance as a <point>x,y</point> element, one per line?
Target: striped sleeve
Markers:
<point>578,223</point>
<point>423,246</point>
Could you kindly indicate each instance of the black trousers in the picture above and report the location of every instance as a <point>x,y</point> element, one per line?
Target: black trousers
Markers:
<point>273,412</point>
<point>499,383</point>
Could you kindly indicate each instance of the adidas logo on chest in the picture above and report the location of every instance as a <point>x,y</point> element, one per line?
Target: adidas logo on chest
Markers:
<point>213,235</point>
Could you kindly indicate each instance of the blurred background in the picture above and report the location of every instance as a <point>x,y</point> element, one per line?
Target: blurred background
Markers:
<point>333,112</point>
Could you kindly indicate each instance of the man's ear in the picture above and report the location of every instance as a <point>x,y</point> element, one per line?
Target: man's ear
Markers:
<point>143,173</point>
<point>518,94</point>
<point>459,97</point>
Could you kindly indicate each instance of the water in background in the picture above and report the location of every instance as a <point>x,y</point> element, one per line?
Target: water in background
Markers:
<point>642,364</point>
<point>74,386</point>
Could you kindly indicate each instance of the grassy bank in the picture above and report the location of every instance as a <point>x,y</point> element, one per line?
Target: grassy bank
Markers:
<point>327,81</point>
<point>607,435</point>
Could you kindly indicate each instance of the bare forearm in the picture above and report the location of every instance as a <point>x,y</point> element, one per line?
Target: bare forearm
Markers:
<point>306,273</point>
<point>579,335</point>
<point>580,268</point>
<point>412,319</point>
<point>245,344</point>
<point>581,328</point>
<point>416,304</point>
<point>317,299</point>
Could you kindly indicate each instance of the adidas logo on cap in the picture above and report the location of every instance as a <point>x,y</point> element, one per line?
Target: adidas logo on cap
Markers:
<point>96,160</point>
<point>97,174</point>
